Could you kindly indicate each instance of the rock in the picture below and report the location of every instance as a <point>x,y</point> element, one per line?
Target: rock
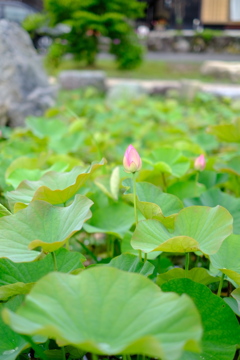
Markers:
<point>38,101</point>
<point>181,45</point>
<point>3,115</point>
<point>125,91</point>
<point>21,74</point>
<point>189,88</point>
<point>77,79</point>
<point>225,91</point>
<point>220,69</point>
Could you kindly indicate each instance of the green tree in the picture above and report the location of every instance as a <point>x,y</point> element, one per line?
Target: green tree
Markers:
<point>90,19</point>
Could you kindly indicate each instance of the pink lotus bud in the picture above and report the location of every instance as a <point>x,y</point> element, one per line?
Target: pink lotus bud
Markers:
<point>131,160</point>
<point>200,163</point>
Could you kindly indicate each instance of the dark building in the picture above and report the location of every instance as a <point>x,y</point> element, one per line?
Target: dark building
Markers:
<point>181,13</point>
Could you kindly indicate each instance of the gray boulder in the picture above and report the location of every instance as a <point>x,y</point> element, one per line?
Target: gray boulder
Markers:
<point>81,79</point>
<point>220,69</point>
<point>24,87</point>
<point>182,45</point>
<point>125,91</point>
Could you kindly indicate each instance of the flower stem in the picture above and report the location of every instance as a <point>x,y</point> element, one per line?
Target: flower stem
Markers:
<point>145,257</point>
<point>54,261</point>
<point>197,176</point>
<point>187,263</point>
<point>220,285</point>
<point>135,199</point>
<point>63,353</point>
<point>88,251</point>
<point>164,182</point>
<point>94,356</point>
<point>135,208</point>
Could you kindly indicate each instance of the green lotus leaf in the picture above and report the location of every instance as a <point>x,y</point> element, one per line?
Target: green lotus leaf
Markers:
<point>186,189</point>
<point>126,247</point>
<point>227,132</point>
<point>12,344</point>
<point>221,329</point>
<point>231,167</point>
<point>27,169</point>
<point>199,275</point>
<point>115,219</point>
<point>132,263</point>
<point>103,298</point>
<point>4,211</point>
<point>233,304</point>
<point>153,203</point>
<point>196,228</point>
<point>18,278</point>
<point>53,187</point>
<point>41,224</point>
<point>41,127</point>
<point>227,258</point>
<point>168,160</point>
<point>214,197</point>
<point>236,296</point>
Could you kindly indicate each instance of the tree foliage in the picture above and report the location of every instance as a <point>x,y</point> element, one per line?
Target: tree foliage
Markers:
<point>91,19</point>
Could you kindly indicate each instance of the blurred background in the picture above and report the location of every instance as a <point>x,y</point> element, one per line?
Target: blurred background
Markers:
<point>157,47</point>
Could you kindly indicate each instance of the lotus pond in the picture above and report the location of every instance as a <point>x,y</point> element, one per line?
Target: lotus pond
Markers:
<point>83,275</point>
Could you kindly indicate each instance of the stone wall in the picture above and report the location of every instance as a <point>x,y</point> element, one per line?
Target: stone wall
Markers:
<point>189,41</point>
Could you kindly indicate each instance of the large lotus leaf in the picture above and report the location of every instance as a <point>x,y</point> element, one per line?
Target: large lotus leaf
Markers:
<point>227,258</point>
<point>17,172</point>
<point>215,197</point>
<point>126,247</point>
<point>69,143</point>
<point>109,311</point>
<point>41,224</point>
<point>199,275</point>
<point>226,132</point>
<point>12,344</point>
<point>53,187</point>
<point>196,228</point>
<point>115,219</point>
<point>231,167</point>
<point>186,189</point>
<point>42,127</point>
<point>211,178</point>
<point>169,160</point>
<point>132,263</point>
<point>153,203</point>
<point>221,328</point>
<point>18,278</point>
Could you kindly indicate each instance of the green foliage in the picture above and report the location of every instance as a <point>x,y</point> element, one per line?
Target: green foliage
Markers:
<point>78,278</point>
<point>22,232</point>
<point>221,336</point>
<point>33,22</point>
<point>195,228</point>
<point>88,20</point>
<point>208,34</point>
<point>150,319</point>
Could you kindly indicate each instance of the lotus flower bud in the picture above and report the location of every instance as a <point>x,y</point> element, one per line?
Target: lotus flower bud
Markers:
<point>131,160</point>
<point>200,163</point>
